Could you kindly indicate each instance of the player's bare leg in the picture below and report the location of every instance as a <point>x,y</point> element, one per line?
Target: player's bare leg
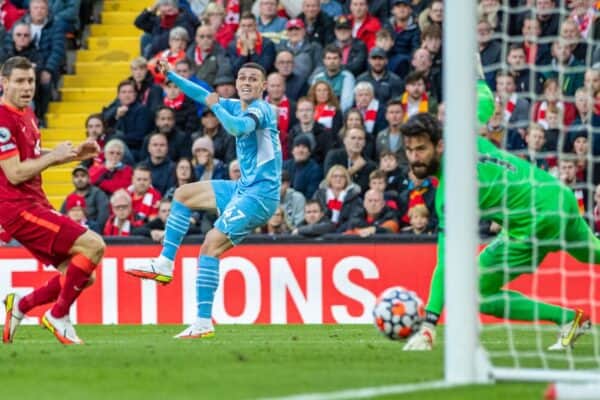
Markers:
<point>87,251</point>
<point>191,196</point>
<point>207,281</point>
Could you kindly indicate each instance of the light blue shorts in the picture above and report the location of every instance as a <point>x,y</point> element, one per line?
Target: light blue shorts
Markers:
<point>240,213</point>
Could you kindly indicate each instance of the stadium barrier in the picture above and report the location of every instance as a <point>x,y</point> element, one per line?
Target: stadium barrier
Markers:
<point>277,282</point>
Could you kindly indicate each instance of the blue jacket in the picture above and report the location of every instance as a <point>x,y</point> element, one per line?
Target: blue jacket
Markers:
<point>163,175</point>
<point>137,122</point>
<point>305,177</point>
<point>66,12</point>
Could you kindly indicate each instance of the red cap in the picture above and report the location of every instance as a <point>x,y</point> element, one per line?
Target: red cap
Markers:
<point>74,200</point>
<point>294,23</point>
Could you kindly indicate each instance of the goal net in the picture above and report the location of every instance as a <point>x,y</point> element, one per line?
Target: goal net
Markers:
<point>542,60</point>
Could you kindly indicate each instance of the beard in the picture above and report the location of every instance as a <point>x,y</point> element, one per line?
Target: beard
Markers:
<point>422,170</point>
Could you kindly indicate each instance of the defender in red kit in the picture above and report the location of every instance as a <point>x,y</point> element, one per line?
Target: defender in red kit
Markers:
<point>27,215</point>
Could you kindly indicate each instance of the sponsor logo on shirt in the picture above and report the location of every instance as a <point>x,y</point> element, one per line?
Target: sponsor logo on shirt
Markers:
<point>4,135</point>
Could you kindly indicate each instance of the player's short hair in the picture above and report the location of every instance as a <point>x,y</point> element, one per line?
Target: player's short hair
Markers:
<point>423,124</point>
<point>95,116</point>
<point>15,63</point>
<point>257,66</point>
<point>314,202</point>
<point>377,174</point>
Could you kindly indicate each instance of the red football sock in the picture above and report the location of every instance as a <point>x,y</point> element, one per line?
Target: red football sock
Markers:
<point>42,295</point>
<point>78,274</point>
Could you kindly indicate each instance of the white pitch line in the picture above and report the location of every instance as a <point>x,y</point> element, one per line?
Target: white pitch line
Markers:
<point>367,392</point>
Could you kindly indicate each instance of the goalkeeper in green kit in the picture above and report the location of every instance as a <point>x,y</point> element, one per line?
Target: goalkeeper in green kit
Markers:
<point>538,215</point>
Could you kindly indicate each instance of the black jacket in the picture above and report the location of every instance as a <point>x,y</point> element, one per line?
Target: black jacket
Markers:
<point>180,145</point>
<point>351,201</point>
<point>339,156</point>
<point>150,23</point>
<point>322,32</point>
<point>324,138</point>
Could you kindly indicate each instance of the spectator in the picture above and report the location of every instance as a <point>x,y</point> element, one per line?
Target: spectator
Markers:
<point>121,220</point>
<point>207,55</point>
<point>548,15</point>
<point>524,81</point>
<point>269,23</point>
<point>223,143</point>
<point>384,40</point>
<point>364,25</point>
<point>535,139</point>
<point>583,13</point>
<point>158,20</point>
<point>161,167</point>
<point>186,113</point>
<point>305,174</point>
<point>351,154</point>
<point>341,81</point>
<point>552,97</point>
<point>567,174</point>
<point>591,81</point>
<point>149,93</point>
<point>423,63</point>
<point>277,224</point>
<point>379,9</point>
<point>95,200</point>
<point>580,148</point>
<point>490,11</point>
<point>327,110</point>
<point>291,200</point>
<point>431,40</point>
<point>415,98</point>
<point>315,222</point>
<point>554,132</point>
<point>390,138</point>
<point>307,54</point>
<point>373,217</point>
<point>406,35</point>
<point>22,45</point>
<point>338,195</point>
<point>569,32</point>
<point>597,210</point>
<point>214,16</point>
<point>536,53</point>
<point>155,229</point>
<point>110,173</point>
<point>184,68</point>
<point>184,173</point>
<point>419,221</point>
<point>9,14</point>
<point>378,181</point>
<point>250,46</point>
<point>49,39</point>
<point>567,66</point>
<point>285,108</point>
<point>372,111</point>
<point>354,51</point>
<point>386,84</point>
<point>586,120</point>
<point>515,109</point>
<point>94,129</point>
<point>352,119</point>
<point>179,143</point>
<point>225,86</point>
<point>178,41</point>
<point>388,163</point>
<point>414,191</point>
<point>432,15</point>
<point>295,85</point>
<point>318,24</point>
<point>490,52</point>
<point>144,198</point>
<point>234,172</point>
<point>206,167</point>
<point>75,208</point>
<point>130,119</point>
<point>332,8</point>
<point>321,140</point>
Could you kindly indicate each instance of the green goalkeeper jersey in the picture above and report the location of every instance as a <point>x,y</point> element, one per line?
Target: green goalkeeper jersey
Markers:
<point>526,201</point>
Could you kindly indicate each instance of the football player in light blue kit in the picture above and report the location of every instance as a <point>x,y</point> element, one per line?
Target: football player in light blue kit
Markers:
<point>242,205</point>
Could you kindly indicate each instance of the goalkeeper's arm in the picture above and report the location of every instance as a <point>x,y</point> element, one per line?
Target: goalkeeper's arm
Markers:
<point>424,338</point>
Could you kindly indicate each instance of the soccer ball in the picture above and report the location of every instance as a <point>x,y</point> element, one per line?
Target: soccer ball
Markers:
<point>398,313</point>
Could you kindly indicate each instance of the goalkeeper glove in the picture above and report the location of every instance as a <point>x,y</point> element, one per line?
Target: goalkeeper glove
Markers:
<point>423,339</point>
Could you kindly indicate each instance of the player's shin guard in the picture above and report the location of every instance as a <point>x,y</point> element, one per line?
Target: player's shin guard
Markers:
<point>42,295</point>
<point>176,227</point>
<point>78,274</point>
<point>207,282</point>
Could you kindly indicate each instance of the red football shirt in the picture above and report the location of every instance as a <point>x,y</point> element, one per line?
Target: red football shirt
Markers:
<point>19,136</point>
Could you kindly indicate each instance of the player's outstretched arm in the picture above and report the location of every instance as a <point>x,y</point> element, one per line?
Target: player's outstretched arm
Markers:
<point>236,126</point>
<point>18,171</point>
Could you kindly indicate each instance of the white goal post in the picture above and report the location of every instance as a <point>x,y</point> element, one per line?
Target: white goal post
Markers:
<point>466,361</point>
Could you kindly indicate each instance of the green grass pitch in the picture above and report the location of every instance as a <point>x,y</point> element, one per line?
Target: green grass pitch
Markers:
<point>241,362</point>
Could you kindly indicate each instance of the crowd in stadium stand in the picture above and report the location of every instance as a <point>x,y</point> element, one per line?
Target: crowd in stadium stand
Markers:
<point>343,76</point>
